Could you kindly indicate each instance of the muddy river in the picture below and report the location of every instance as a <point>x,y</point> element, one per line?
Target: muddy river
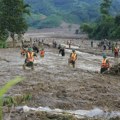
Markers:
<point>56,85</point>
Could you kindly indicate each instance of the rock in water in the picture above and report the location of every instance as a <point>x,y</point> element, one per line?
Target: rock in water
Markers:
<point>26,109</point>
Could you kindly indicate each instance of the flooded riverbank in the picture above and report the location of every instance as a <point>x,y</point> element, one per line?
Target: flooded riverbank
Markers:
<point>55,84</point>
<point>95,113</point>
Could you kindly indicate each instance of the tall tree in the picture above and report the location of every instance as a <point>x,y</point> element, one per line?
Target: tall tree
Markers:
<point>3,32</point>
<point>104,7</point>
<point>12,17</point>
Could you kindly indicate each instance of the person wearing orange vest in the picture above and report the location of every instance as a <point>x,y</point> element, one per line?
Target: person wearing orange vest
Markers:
<point>29,58</point>
<point>116,51</point>
<point>73,58</point>
<point>105,64</point>
<point>42,53</point>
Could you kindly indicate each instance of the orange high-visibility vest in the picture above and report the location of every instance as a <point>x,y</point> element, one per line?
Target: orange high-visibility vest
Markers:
<point>30,56</point>
<point>105,64</point>
<point>42,53</point>
<point>73,56</point>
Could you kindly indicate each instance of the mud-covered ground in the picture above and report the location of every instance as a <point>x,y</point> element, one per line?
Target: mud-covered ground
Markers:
<point>55,84</point>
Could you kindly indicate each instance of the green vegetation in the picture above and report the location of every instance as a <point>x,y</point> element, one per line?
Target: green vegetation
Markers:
<point>70,11</point>
<point>3,32</point>
<point>107,26</point>
<point>5,89</point>
<point>49,22</point>
<point>16,100</point>
<point>3,37</point>
<point>12,19</point>
<point>57,11</point>
<point>51,13</point>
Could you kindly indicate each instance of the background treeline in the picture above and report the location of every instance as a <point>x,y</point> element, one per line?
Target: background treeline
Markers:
<point>51,13</point>
<point>12,19</point>
<point>107,26</point>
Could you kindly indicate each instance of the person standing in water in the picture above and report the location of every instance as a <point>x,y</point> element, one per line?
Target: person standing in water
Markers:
<point>73,58</point>
<point>62,51</point>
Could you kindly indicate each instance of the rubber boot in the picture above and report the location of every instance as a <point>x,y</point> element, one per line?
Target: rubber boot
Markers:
<point>73,65</point>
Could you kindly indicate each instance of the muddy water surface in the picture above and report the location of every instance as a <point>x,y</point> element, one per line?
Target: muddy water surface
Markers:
<point>55,84</point>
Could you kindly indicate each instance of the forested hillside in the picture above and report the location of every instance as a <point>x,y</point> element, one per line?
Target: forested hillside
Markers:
<point>50,13</point>
<point>108,26</point>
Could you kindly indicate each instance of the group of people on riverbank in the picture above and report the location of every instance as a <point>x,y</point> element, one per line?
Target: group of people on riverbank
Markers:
<point>32,51</point>
<point>107,45</point>
<point>105,64</point>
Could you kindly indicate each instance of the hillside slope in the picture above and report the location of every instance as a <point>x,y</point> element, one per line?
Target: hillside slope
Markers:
<point>50,13</point>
